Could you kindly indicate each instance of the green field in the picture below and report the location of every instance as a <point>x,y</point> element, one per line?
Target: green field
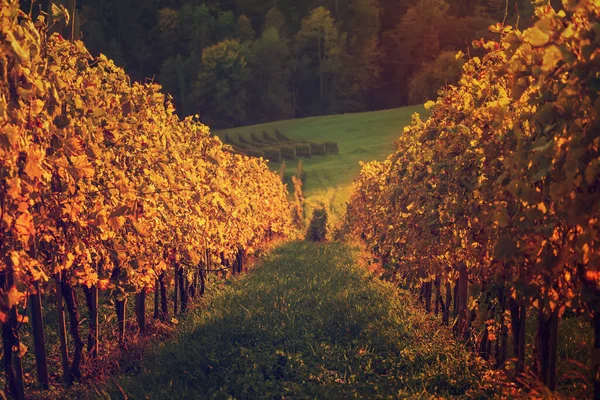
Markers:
<point>361,137</point>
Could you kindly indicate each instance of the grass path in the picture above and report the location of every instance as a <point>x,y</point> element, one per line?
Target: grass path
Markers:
<point>307,322</point>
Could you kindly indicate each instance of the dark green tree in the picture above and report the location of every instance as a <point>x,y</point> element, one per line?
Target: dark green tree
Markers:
<point>320,42</point>
<point>413,42</point>
<point>270,66</point>
<point>443,71</point>
<point>221,88</point>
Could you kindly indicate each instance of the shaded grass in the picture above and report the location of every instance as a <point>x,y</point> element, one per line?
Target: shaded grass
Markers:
<point>361,137</point>
<point>307,323</point>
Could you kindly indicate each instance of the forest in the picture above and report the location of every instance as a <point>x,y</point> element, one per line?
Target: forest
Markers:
<point>237,62</point>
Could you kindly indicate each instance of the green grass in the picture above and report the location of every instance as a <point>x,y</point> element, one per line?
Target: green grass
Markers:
<point>361,137</point>
<point>308,322</point>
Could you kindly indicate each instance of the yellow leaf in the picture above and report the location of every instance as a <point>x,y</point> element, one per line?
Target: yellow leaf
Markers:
<point>542,208</point>
<point>552,56</point>
<point>37,106</point>
<point>33,167</point>
<point>24,226</point>
<point>586,253</point>
<point>22,347</point>
<point>14,258</point>
<point>139,229</point>
<point>14,187</point>
<point>116,222</point>
<point>536,37</point>
<point>81,167</point>
<point>13,297</point>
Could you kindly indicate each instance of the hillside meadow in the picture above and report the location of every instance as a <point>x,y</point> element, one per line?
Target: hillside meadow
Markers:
<point>360,137</point>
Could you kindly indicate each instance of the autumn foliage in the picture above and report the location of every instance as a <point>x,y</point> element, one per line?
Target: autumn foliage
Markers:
<point>103,186</point>
<point>497,192</point>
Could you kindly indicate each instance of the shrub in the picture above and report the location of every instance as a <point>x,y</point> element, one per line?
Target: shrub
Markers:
<point>317,149</point>
<point>272,154</point>
<point>303,150</point>
<point>317,229</point>
<point>331,148</point>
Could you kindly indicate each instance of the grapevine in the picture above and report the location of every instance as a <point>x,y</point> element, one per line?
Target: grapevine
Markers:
<point>105,188</point>
<point>498,190</point>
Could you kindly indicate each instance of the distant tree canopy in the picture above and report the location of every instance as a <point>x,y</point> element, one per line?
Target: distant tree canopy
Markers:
<point>238,62</point>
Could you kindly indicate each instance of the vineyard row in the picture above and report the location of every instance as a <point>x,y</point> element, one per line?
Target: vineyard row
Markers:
<point>105,189</point>
<point>495,199</point>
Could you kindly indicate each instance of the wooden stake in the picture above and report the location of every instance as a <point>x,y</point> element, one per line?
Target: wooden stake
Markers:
<point>140,310</point>
<point>62,330</point>
<point>39,340</point>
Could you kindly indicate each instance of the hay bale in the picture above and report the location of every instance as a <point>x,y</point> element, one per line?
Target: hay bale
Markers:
<point>303,150</point>
<point>288,152</point>
<point>272,154</point>
<point>317,149</point>
<point>331,148</point>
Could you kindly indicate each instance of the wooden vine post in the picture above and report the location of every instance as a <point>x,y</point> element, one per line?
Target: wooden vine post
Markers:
<point>13,366</point>
<point>596,351</point>
<point>120,308</point>
<point>427,296</point>
<point>183,292</point>
<point>91,296</point>
<point>545,349</point>
<point>502,341</point>
<point>202,276</point>
<point>176,289</point>
<point>140,310</point>
<point>446,312</point>
<point>156,299</point>
<point>70,298</point>
<point>463,293</point>
<point>164,303</point>
<point>62,329</point>
<point>39,340</point>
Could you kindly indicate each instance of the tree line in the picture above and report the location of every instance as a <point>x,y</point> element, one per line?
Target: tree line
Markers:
<point>238,62</point>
